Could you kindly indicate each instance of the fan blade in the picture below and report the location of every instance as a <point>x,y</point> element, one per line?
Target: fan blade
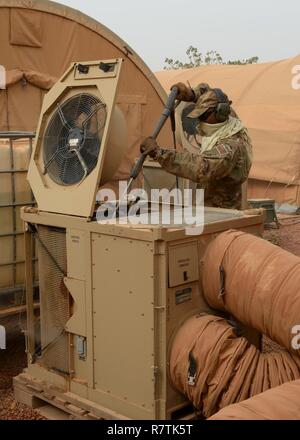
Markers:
<point>62,117</point>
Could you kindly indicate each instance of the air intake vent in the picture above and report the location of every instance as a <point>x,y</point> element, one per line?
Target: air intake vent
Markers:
<point>54,299</point>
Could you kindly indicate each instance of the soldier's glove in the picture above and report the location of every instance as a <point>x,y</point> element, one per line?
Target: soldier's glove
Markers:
<point>184,92</point>
<point>149,146</point>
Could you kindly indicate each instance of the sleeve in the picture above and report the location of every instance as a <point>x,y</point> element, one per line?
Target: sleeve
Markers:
<point>201,168</point>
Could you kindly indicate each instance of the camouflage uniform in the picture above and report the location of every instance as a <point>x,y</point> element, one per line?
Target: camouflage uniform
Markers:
<point>220,171</point>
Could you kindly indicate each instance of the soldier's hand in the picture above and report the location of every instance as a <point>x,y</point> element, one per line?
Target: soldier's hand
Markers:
<point>149,147</point>
<point>184,93</point>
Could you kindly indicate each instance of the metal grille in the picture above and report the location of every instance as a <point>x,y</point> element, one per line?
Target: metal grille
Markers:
<point>73,138</point>
<point>54,299</point>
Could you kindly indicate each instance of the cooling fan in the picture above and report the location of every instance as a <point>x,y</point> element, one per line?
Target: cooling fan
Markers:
<point>81,138</point>
<point>73,138</point>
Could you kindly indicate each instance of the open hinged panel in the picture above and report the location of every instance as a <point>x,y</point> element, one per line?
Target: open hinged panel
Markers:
<point>72,142</point>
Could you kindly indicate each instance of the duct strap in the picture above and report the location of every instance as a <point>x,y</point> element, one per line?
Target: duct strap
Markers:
<point>192,371</point>
<point>232,235</point>
<point>222,282</point>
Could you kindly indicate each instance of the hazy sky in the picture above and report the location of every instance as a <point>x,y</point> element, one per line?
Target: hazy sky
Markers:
<point>157,29</point>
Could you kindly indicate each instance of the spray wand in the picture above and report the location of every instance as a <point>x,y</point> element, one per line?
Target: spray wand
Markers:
<point>167,112</point>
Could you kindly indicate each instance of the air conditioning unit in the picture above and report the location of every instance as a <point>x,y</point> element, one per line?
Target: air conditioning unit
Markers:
<point>80,140</point>
<point>112,296</point>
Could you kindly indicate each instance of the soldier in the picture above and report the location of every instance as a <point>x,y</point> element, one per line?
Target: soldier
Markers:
<point>225,155</point>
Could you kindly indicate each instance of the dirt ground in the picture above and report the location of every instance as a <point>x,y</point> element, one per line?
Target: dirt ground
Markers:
<point>13,359</point>
<point>288,235</point>
<point>12,362</point>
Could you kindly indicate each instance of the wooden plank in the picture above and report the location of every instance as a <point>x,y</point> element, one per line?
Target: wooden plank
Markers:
<point>26,397</point>
<point>50,412</point>
<point>29,280</point>
<point>27,390</point>
<point>63,406</point>
<point>10,311</point>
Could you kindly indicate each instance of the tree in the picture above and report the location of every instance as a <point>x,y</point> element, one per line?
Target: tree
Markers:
<point>196,59</point>
<point>252,60</point>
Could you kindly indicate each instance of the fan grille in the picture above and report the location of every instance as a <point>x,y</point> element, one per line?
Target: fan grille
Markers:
<point>73,137</point>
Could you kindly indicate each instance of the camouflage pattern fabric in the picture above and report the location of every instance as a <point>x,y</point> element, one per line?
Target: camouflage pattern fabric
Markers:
<point>220,171</point>
<point>204,101</point>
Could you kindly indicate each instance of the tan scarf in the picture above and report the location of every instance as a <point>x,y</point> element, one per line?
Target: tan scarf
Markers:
<point>213,133</point>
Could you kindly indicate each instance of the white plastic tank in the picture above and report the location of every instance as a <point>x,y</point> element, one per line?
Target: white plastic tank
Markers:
<point>15,151</point>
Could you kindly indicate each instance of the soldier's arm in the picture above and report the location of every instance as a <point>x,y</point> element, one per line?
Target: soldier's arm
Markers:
<point>200,168</point>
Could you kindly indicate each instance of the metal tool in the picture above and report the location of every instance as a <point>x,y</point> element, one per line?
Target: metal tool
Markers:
<point>169,108</point>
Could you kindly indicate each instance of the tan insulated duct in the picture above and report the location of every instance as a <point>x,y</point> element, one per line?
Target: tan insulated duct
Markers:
<point>224,368</point>
<point>256,281</point>
<point>280,403</point>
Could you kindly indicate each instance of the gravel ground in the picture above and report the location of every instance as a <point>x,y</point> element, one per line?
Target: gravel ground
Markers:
<point>288,236</point>
<point>13,360</point>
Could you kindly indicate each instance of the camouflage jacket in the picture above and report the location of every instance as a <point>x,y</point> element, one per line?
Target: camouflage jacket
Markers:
<point>220,171</point>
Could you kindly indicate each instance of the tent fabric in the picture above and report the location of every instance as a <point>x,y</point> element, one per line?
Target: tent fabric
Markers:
<point>25,28</point>
<point>37,79</point>
<point>80,38</point>
<point>35,54</point>
<point>282,193</point>
<point>265,99</point>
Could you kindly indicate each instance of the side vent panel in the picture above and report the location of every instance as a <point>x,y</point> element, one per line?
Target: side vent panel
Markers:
<point>54,299</point>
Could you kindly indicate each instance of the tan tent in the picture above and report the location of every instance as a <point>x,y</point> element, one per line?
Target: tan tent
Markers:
<point>38,41</point>
<point>267,99</point>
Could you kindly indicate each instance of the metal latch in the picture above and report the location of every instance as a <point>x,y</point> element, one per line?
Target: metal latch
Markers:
<point>2,338</point>
<point>81,347</point>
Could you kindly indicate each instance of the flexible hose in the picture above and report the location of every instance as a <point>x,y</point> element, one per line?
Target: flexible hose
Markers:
<point>256,281</point>
<point>259,284</point>
<point>228,368</point>
<point>280,403</point>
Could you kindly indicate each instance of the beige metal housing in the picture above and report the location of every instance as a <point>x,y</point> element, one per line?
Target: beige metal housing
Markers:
<point>109,313</point>
<point>79,199</point>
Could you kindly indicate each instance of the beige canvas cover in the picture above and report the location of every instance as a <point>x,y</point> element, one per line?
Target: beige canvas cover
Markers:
<point>267,98</point>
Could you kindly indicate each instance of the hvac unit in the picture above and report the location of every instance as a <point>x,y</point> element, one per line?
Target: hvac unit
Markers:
<point>112,296</point>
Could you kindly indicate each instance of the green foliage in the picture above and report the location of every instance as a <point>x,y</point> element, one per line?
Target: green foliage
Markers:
<point>196,59</point>
<point>252,60</point>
